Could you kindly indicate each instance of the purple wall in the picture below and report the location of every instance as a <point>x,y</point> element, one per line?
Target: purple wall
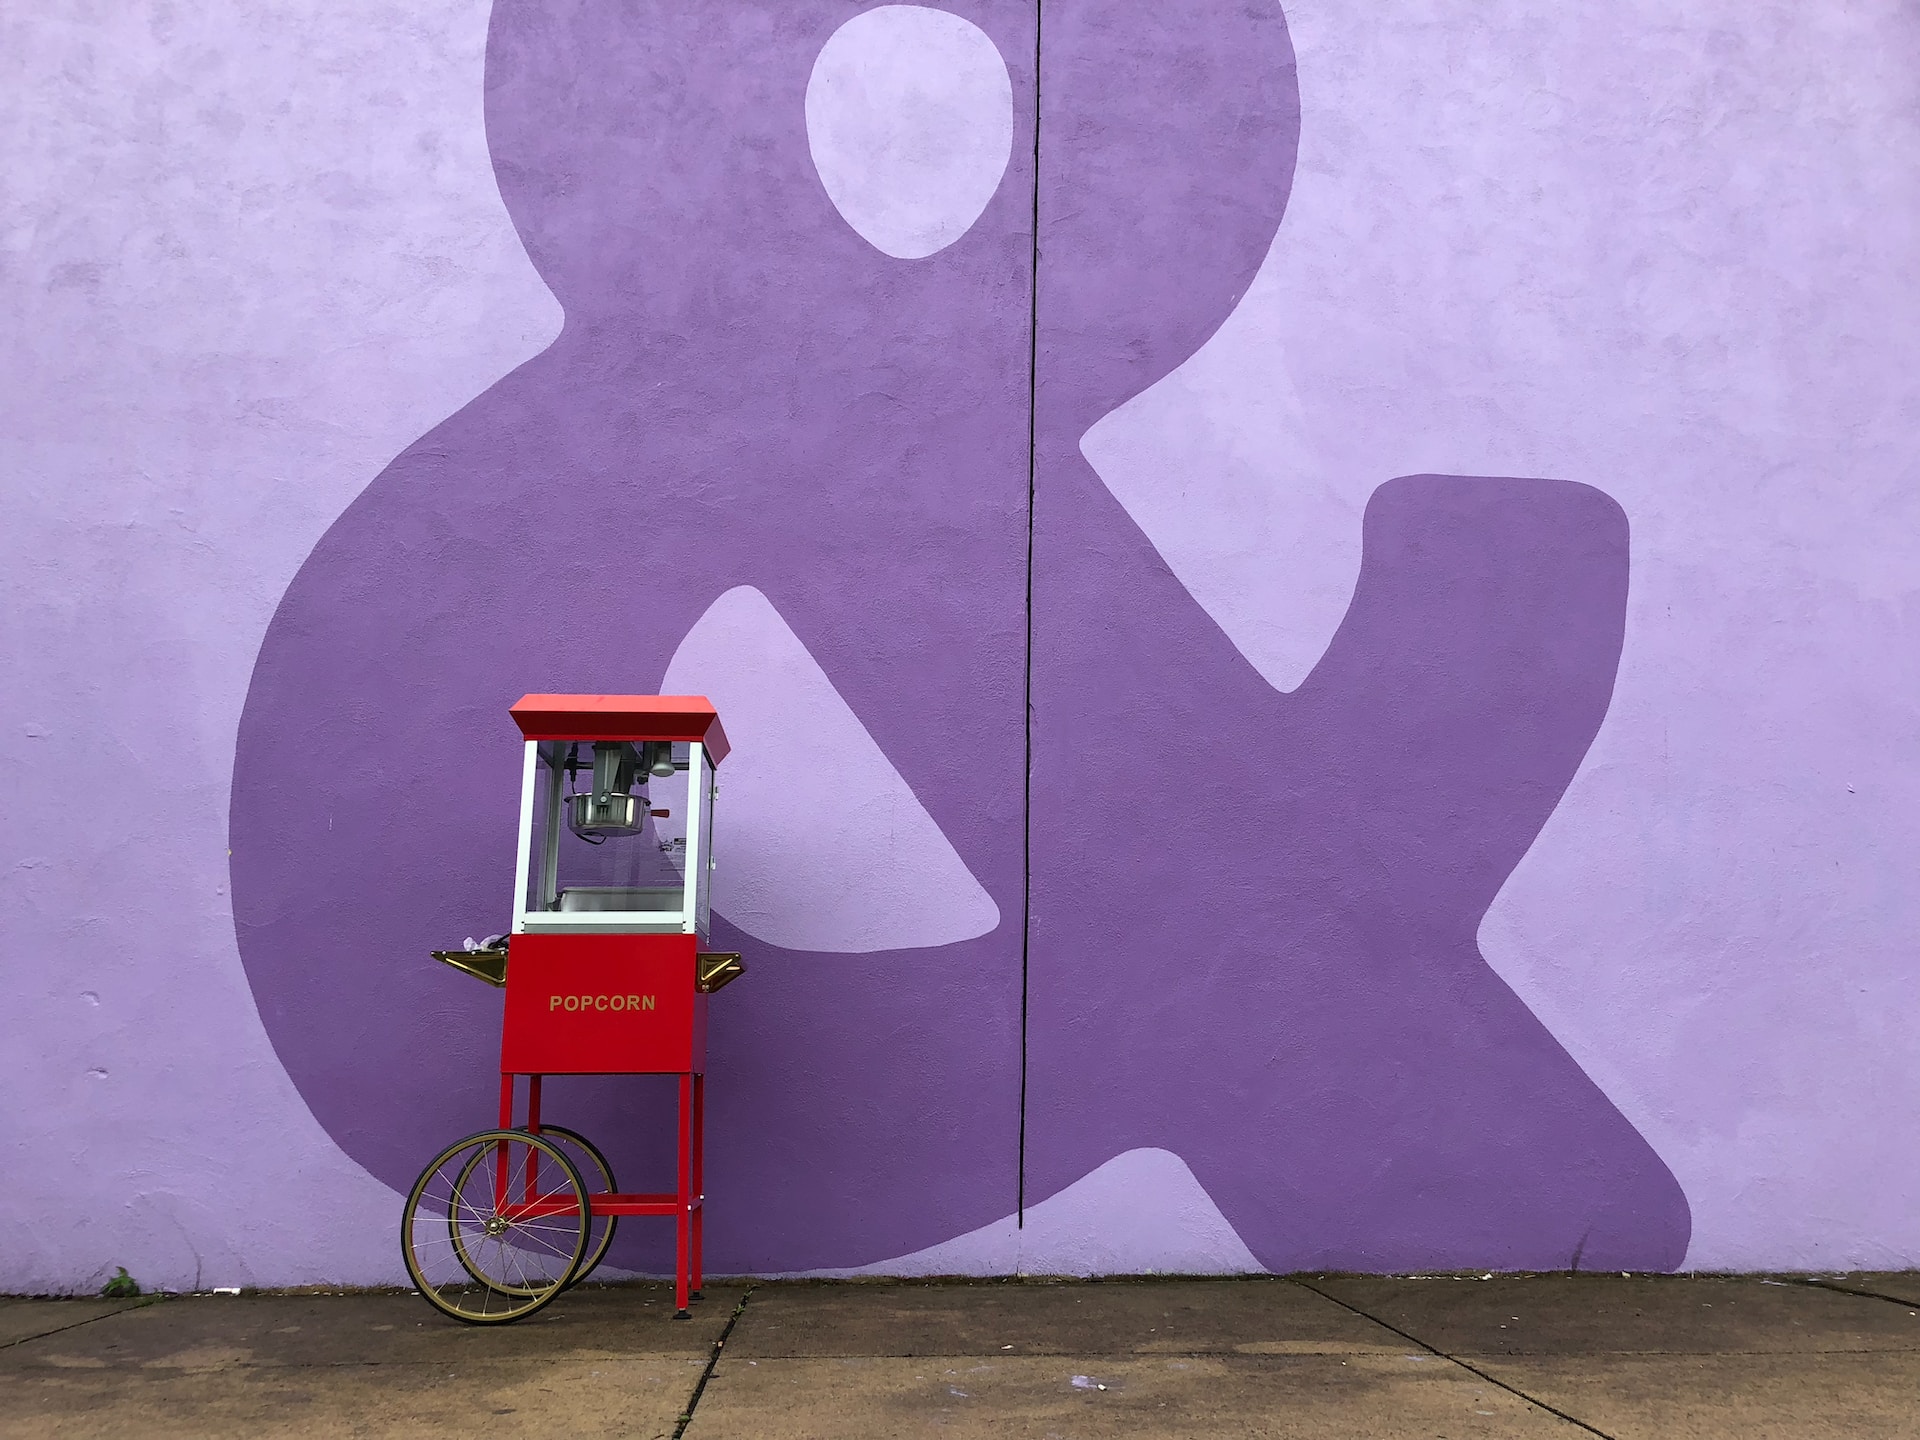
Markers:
<point>1470,618</point>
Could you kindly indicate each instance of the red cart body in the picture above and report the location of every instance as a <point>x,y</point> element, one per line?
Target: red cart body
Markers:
<point>604,1005</point>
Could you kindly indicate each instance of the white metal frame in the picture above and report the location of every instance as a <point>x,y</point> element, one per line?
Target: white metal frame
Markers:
<point>523,863</point>
<point>687,920</point>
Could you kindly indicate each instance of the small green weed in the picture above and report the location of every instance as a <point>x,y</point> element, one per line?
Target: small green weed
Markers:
<point>122,1286</point>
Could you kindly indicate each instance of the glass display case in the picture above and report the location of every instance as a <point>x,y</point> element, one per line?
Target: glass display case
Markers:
<point>616,837</point>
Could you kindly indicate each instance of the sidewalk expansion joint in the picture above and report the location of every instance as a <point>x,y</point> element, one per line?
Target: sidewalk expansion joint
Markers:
<point>713,1359</point>
<point>1466,1365</point>
<point>90,1320</point>
<point>1817,1284</point>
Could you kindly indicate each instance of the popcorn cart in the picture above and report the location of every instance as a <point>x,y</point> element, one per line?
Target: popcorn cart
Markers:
<point>604,975</point>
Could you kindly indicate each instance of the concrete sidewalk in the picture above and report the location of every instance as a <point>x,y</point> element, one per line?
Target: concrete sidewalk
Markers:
<point>1306,1356</point>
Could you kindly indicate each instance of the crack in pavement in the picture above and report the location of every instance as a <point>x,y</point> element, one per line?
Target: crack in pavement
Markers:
<point>713,1359</point>
<point>75,1325</point>
<point>1814,1283</point>
<point>1456,1360</point>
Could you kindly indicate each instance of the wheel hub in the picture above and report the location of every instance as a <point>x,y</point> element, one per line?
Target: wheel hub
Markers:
<point>496,1226</point>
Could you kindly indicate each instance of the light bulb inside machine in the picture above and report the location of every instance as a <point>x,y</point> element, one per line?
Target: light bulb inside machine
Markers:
<point>662,767</point>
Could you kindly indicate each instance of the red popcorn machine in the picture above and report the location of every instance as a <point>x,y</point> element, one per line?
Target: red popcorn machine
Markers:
<point>605,975</point>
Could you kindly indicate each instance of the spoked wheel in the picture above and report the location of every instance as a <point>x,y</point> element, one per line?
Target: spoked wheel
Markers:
<point>495,1227</point>
<point>598,1175</point>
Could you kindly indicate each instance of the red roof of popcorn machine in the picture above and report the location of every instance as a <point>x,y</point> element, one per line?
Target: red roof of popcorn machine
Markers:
<point>622,717</point>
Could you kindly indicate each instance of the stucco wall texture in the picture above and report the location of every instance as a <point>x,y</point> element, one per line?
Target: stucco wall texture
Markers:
<point>1443,477</point>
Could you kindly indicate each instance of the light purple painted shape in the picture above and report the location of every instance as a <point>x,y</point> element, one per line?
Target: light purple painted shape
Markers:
<point>825,846</point>
<point>1140,1213</point>
<point>745,392</point>
<point>910,124</point>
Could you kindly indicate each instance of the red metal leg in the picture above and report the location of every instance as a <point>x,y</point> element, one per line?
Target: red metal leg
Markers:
<point>500,1159</point>
<point>699,1176</point>
<point>506,1102</point>
<point>532,1180</point>
<point>683,1220</point>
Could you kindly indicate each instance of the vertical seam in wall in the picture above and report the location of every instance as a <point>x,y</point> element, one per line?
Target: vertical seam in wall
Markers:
<point>1026,797</point>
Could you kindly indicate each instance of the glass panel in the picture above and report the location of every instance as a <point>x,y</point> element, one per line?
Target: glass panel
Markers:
<point>672,828</point>
<point>703,877</point>
<point>601,845</point>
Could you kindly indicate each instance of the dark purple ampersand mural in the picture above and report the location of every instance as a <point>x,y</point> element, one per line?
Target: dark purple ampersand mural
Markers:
<point>1252,915</point>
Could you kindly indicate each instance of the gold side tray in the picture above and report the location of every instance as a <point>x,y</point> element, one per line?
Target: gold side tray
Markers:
<point>717,969</point>
<point>487,965</point>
